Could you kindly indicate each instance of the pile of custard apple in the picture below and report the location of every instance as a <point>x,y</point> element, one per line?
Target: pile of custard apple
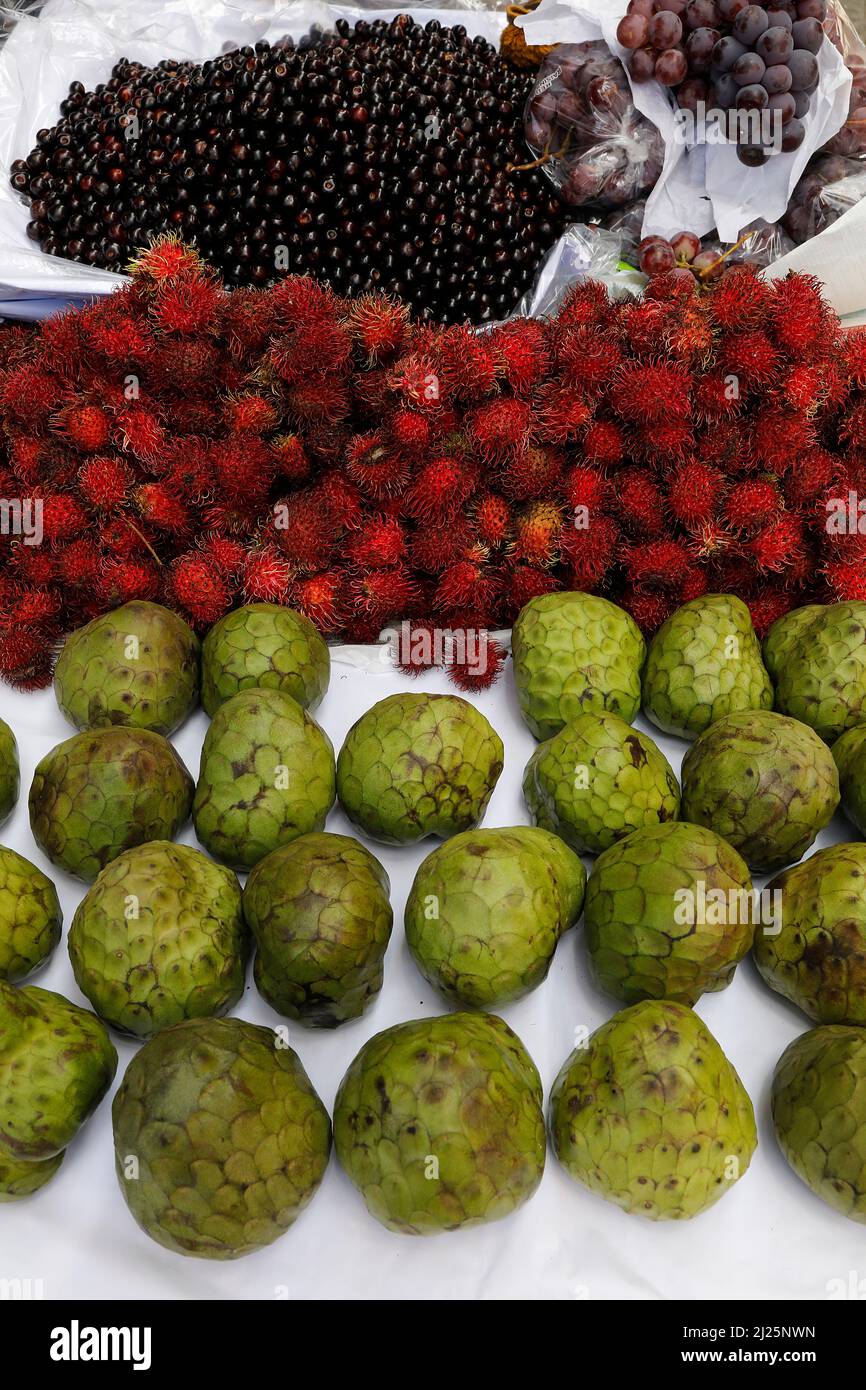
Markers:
<point>439,1122</point>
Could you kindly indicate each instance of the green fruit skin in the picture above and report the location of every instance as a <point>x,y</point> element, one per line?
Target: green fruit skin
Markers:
<point>137,666</point>
<point>417,765</point>
<point>319,911</point>
<point>651,1115</point>
<point>56,1063</point>
<point>266,777</point>
<point>573,654</point>
<point>487,909</point>
<point>438,1123</point>
<point>19,1180</point>
<point>266,646</point>
<point>597,780</point>
<point>765,783</point>
<point>640,940</point>
<point>818,958</point>
<point>817,658</point>
<point>703,663</point>
<point>30,916</point>
<point>220,1140</point>
<point>103,792</point>
<point>849,755</point>
<point>819,1114</point>
<point>10,777</point>
<point>159,938</point>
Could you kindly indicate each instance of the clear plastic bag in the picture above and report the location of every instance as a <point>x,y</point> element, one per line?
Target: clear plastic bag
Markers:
<point>583,127</point>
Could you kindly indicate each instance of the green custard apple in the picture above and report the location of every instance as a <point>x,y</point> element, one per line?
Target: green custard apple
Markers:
<point>30,916</point>
<point>268,646</point>
<point>817,658</point>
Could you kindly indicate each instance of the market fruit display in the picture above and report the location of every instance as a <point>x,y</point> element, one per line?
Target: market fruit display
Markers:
<point>22,1179</point>
<point>266,646</point>
<point>30,916</point>
<point>406,184</point>
<point>137,666</point>
<point>56,1064</point>
<point>584,130</point>
<point>438,1123</point>
<point>220,1140</point>
<point>816,954</point>
<point>416,765</point>
<point>104,791</point>
<point>818,1098</point>
<point>764,782</point>
<point>669,914</point>
<point>266,777</point>
<point>597,780</point>
<point>575,654</point>
<point>486,911</point>
<point>817,659</point>
<point>704,662</point>
<point>849,755</point>
<point>160,937</point>
<point>651,1115</point>
<point>10,777</point>
<point>319,911</point>
<point>290,446</point>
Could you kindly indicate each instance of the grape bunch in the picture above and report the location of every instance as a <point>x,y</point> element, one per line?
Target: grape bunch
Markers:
<point>732,56</point>
<point>681,255</point>
<point>830,187</point>
<point>586,132</point>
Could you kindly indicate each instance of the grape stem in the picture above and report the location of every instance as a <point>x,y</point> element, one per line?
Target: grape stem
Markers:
<point>702,274</point>
<point>544,158</point>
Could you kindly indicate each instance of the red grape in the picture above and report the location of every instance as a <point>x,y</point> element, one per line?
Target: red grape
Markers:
<point>752,155</point>
<point>729,9</point>
<point>793,136</point>
<point>780,19</point>
<point>750,24</point>
<point>748,69</point>
<point>726,91</point>
<point>708,264</point>
<point>642,65</point>
<point>673,6</point>
<point>699,49</point>
<point>641,7</point>
<point>785,104</point>
<point>778,79</point>
<point>752,98</point>
<point>812,9</point>
<point>726,53</point>
<point>632,31</point>
<point>692,91</point>
<point>665,30</point>
<point>802,102</point>
<point>655,255</point>
<point>671,67</point>
<point>804,70</point>
<point>685,246</point>
<point>702,14</point>
<point>775,45</point>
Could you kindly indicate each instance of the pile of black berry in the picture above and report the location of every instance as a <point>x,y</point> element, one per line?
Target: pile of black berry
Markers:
<point>375,157</point>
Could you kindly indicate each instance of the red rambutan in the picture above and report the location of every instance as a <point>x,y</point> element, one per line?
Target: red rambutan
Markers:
<point>439,490</point>
<point>585,302</point>
<point>586,487</point>
<point>533,474</point>
<point>751,357</point>
<point>693,493</point>
<point>250,413</point>
<point>104,482</point>
<point>804,387</point>
<point>301,529</point>
<point>778,545</point>
<point>801,323</point>
<point>186,305</point>
<point>319,398</point>
<point>522,351</point>
<point>780,438</point>
<point>226,554</point>
<point>467,363</point>
<point>266,577</point>
<point>561,414</point>
<point>586,360</point>
<point>767,606</point>
<point>667,441</point>
<point>377,324</point>
<point>751,504</point>
<point>854,355</point>
<point>493,520</point>
<point>196,588</point>
<point>379,545</point>
<point>500,430</point>
<point>740,299</point>
<point>604,443</point>
<point>139,431</point>
<point>847,580</point>
<point>62,518</point>
<point>694,585</point>
<point>664,564</point>
<point>590,551</point>
<point>433,548</point>
<point>536,535</point>
<point>480,673</point>
<point>84,426</point>
<point>463,585</point>
<point>379,471</point>
<point>525,582</point>
<point>717,396</point>
<point>647,392</point>
<point>167,258</point>
<point>409,431</point>
<point>79,563</point>
<point>639,502</point>
<point>291,458</point>
<point>320,598</point>
<point>648,607</point>
<point>384,594</point>
<point>417,382</point>
<point>159,507</point>
<point>120,581</point>
<point>815,471</point>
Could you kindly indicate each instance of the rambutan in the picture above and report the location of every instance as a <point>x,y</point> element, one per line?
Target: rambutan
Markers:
<point>694,584</point>
<point>847,580</point>
<point>104,482</point>
<point>663,564</point>
<point>525,582</point>
<point>533,474</point>
<point>201,593</point>
<point>139,431</point>
<point>186,305</point>
<point>87,427</point>
<point>341,501</point>
<point>536,534</point>
<point>693,493</point>
<point>493,520</point>
<point>585,359</point>
<point>320,598</point>
<point>717,396</point>
<point>603,443</point>
<point>590,551</point>
<point>227,555</point>
<point>647,392</point>
<point>409,431</point>
<point>384,594</point>
<point>62,518</point>
<point>301,530</point>
<point>804,387</point>
<point>167,258</point>
<point>500,429</point>
<point>250,413</point>
<point>433,548</point>
<point>463,585</point>
<point>740,299</point>
<point>379,471</point>
<point>779,439</point>
<point>440,489</point>
<point>752,357</point>
<point>645,326</point>
<point>767,606</point>
<point>417,382</point>
<point>79,563</point>
<point>816,470</point>
<point>266,576</point>
<point>690,338</point>
<point>120,581</point>
<point>34,608</point>
<point>639,503</point>
<point>521,349</point>
<point>319,397</point>
<point>160,507</point>
<point>377,324</point>
<point>29,395</point>
<point>467,362</point>
<point>801,324</point>
<point>480,673</point>
<point>751,504</point>
<point>648,607</point>
<point>24,662</point>
<point>586,487</point>
<point>778,545</point>
<point>853,348</point>
<point>379,545</point>
<point>585,302</point>
<point>291,458</point>
<point>561,414</point>
<point>667,441</point>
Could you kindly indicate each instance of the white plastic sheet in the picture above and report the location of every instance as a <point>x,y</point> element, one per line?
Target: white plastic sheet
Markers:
<point>769,1238</point>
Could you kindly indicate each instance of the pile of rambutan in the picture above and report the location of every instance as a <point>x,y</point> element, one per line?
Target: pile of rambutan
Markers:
<point>205,447</point>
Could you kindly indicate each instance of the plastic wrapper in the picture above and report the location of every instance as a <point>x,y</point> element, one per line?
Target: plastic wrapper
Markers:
<point>583,126</point>
<point>830,187</point>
